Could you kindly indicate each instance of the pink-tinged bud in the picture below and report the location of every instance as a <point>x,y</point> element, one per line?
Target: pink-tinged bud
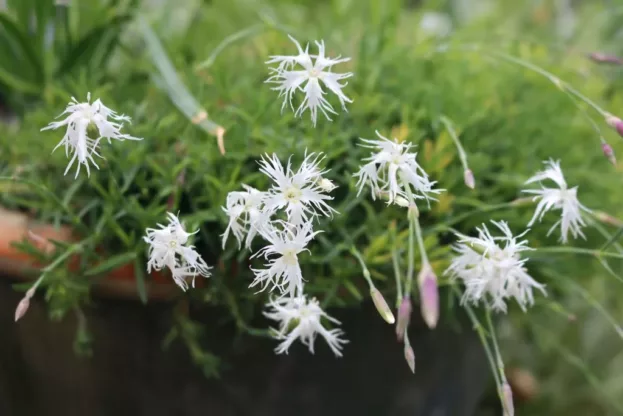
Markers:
<point>608,219</point>
<point>605,58</point>
<point>609,153</point>
<point>468,176</point>
<point>615,123</point>
<point>410,357</point>
<point>429,296</point>
<point>507,400</point>
<point>22,308</point>
<point>404,317</point>
<point>522,201</point>
<point>382,306</point>
<point>413,210</point>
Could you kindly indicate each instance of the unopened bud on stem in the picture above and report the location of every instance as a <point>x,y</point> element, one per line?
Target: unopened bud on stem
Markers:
<point>409,355</point>
<point>429,296</point>
<point>404,317</point>
<point>22,308</point>
<point>401,201</point>
<point>615,123</point>
<point>326,185</point>
<point>609,152</point>
<point>382,306</point>
<point>605,58</point>
<point>507,400</point>
<point>413,210</point>
<point>468,176</point>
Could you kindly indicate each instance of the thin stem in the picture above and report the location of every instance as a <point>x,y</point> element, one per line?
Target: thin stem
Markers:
<point>480,331</point>
<point>459,147</point>
<point>397,273</point>
<point>441,226</point>
<point>411,213</point>
<point>577,250</point>
<point>420,241</point>
<point>500,363</point>
<point>553,78</point>
<point>496,348</point>
<point>366,272</point>
<point>411,263</point>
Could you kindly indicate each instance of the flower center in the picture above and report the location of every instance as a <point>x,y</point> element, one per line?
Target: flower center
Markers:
<point>173,244</point>
<point>314,73</point>
<point>289,257</point>
<point>293,194</point>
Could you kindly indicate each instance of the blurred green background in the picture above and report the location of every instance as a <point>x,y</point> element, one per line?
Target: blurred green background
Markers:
<point>164,61</point>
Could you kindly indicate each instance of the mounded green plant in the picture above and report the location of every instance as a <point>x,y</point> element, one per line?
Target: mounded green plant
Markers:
<point>509,101</point>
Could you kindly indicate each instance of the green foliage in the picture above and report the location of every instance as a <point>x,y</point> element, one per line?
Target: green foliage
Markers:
<point>41,48</point>
<point>407,84</point>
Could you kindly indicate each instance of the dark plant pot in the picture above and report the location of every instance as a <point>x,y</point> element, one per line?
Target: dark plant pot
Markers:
<point>130,373</point>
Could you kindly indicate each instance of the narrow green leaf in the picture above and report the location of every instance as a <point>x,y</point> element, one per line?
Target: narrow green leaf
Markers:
<point>169,81</point>
<point>139,275</point>
<point>111,264</point>
<point>85,49</point>
<point>353,290</point>
<point>17,36</point>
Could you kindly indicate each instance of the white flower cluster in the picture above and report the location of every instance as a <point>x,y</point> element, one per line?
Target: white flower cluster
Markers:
<point>491,272</point>
<point>284,216</point>
<point>491,268</point>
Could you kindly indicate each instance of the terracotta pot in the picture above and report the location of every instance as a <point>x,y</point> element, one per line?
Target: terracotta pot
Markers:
<point>118,283</point>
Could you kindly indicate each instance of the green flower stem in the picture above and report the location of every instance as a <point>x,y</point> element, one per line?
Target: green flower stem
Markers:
<point>483,339</point>
<point>397,273</point>
<point>364,268</point>
<point>459,147</point>
<point>577,250</point>
<point>420,241</point>
<point>412,215</point>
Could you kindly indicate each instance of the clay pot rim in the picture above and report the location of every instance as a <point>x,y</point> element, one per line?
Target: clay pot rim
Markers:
<point>119,283</point>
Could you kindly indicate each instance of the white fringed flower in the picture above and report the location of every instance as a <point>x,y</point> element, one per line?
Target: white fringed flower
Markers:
<point>562,198</point>
<point>301,319</point>
<point>81,116</point>
<point>289,81</point>
<point>244,210</point>
<point>492,269</point>
<point>283,272</point>
<point>166,244</point>
<point>392,170</point>
<point>301,193</point>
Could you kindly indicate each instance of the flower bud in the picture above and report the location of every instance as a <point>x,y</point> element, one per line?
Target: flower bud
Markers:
<point>507,400</point>
<point>429,296</point>
<point>410,356</point>
<point>22,308</point>
<point>468,176</point>
<point>401,201</point>
<point>326,185</point>
<point>608,219</point>
<point>522,201</point>
<point>615,123</point>
<point>413,210</point>
<point>605,58</point>
<point>608,152</point>
<point>404,317</point>
<point>382,306</point>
